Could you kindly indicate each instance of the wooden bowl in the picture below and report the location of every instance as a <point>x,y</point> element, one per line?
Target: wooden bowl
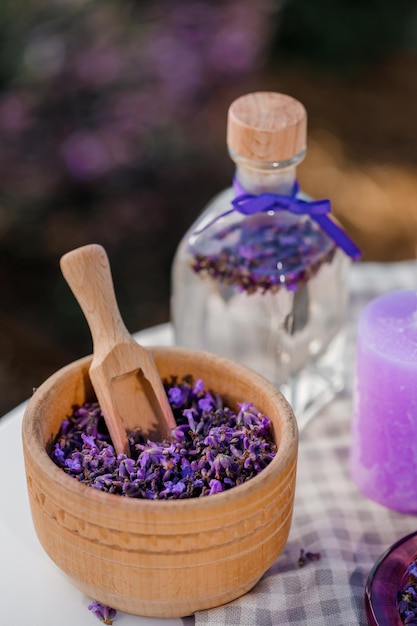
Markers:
<point>161,558</point>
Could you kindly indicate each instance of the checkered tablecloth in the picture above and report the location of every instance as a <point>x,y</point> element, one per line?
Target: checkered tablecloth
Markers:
<point>330,515</point>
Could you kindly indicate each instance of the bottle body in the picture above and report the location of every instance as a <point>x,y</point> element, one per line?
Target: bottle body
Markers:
<point>280,311</point>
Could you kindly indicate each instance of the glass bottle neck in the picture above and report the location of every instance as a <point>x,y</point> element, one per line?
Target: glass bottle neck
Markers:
<point>263,177</point>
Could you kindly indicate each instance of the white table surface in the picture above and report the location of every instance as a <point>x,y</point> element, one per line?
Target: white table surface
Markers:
<point>33,591</point>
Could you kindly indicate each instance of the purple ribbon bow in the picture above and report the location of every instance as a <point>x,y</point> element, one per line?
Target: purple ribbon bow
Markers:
<point>249,204</point>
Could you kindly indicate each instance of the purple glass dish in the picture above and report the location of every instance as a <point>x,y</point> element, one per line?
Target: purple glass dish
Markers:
<point>386,579</point>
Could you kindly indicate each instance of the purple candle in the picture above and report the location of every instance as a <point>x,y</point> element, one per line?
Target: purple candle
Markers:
<point>383,459</point>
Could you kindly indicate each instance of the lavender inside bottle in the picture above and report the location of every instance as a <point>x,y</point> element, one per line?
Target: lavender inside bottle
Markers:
<point>269,291</point>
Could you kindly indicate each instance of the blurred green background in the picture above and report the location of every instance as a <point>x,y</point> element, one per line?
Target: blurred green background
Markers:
<point>112,130</point>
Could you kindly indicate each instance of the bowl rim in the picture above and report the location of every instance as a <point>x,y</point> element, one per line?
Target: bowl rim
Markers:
<point>286,454</point>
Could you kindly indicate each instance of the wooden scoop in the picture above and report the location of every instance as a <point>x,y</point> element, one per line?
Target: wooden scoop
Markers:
<point>125,379</point>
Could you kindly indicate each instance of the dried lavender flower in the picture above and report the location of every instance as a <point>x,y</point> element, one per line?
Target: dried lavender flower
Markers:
<point>104,613</point>
<point>301,559</point>
<point>407,596</point>
<point>213,448</point>
<point>305,557</point>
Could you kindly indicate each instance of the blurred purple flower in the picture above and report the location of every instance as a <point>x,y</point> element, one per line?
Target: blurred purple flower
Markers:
<point>15,112</point>
<point>115,83</point>
<point>85,155</point>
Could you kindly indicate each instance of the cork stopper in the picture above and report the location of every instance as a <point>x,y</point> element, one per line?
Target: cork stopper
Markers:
<point>267,126</point>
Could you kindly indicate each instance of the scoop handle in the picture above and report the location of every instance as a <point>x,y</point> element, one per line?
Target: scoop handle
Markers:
<point>87,272</point>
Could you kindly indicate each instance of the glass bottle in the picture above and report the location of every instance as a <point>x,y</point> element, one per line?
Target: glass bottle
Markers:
<point>266,285</point>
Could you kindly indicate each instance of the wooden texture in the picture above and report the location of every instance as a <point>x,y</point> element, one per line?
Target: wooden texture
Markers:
<point>267,126</point>
<point>123,373</point>
<point>161,558</point>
